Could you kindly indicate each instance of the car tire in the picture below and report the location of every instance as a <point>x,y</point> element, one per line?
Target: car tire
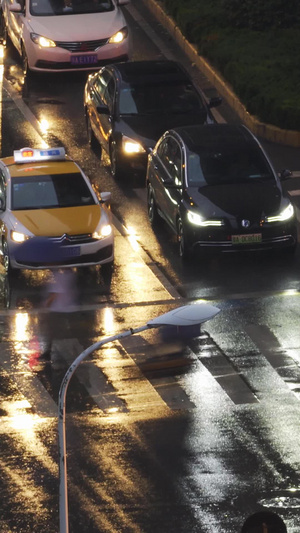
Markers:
<point>115,167</point>
<point>106,271</point>
<point>183,247</point>
<point>91,136</point>
<point>3,30</point>
<point>6,260</point>
<point>25,67</point>
<point>152,209</point>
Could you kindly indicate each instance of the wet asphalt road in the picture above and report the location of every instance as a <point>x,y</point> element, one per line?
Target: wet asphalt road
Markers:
<point>164,433</point>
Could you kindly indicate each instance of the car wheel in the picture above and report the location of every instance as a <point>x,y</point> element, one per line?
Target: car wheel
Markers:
<point>184,249</point>
<point>152,209</point>
<point>115,166</point>
<point>25,67</point>
<point>6,293</point>
<point>6,260</point>
<point>3,30</point>
<point>106,271</point>
<point>90,135</point>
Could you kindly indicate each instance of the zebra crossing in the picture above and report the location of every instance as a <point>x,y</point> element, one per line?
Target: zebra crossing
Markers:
<point>135,376</point>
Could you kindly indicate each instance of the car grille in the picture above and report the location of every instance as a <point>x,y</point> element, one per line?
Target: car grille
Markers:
<point>70,240</point>
<point>64,65</point>
<point>81,46</point>
<point>100,255</point>
<point>266,244</point>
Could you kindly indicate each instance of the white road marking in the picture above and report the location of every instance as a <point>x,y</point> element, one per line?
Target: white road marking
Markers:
<point>24,109</point>
<point>88,374</point>
<point>29,384</point>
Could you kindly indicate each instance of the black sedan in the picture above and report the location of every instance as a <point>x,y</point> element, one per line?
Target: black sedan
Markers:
<point>216,188</point>
<point>128,106</point>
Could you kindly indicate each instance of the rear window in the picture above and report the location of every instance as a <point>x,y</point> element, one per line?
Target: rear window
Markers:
<point>50,191</point>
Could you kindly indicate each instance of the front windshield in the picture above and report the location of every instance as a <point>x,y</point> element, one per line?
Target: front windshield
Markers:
<point>160,98</point>
<point>227,164</point>
<point>52,191</point>
<point>69,7</point>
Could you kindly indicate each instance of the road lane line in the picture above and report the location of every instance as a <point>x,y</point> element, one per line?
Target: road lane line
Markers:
<point>111,377</point>
<point>146,259</point>
<point>284,365</point>
<point>24,109</point>
<point>129,382</point>
<point>29,384</point>
<point>158,368</point>
<point>89,374</point>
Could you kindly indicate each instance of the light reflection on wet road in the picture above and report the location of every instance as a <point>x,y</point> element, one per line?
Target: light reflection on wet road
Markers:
<point>164,435</point>
<point>154,448</point>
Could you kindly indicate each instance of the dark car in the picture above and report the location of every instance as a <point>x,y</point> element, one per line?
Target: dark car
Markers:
<point>129,105</point>
<point>216,188</point>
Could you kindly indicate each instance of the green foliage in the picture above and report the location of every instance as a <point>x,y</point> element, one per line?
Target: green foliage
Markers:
<point>254,44</point>
<point>195,22</point>
<point>261,15</point>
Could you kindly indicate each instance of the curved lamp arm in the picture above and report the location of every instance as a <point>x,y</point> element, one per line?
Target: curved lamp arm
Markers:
<point>188,315</point>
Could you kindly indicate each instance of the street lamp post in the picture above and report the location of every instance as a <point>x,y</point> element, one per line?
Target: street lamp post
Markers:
<point>188,315</point>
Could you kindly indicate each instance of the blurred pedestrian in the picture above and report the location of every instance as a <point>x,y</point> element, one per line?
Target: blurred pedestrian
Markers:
<point>60,301</point>
<point>264,522</point>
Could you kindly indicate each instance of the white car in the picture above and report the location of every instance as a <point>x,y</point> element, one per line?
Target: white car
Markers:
<point>66,35</point>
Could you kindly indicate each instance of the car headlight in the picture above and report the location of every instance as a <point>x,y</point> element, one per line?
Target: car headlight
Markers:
<point>129,146</point>
<point>16,236</point>
<point>119,36</point>
<point>198,220</point>
<point>41,41</point>
<point>286,214</point>
<point>103,231</point>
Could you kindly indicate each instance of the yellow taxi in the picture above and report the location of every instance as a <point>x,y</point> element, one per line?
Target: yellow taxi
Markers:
<point>46,198</point>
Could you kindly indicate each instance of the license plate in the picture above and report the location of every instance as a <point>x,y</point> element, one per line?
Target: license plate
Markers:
<point>246,239</point>
<point>90,59</point>
<point>70,251</point>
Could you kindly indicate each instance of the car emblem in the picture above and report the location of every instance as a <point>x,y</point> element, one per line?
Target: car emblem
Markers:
<point>245,223</point>
<point>64,237</point>
<point>83,47</point>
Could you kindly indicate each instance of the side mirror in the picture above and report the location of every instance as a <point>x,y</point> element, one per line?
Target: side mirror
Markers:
<point>215,102</point>
<point>122,2</point>
<point>15,7</point>
<point>169,184</point>
<point>105,198</point>
<point>102,110</point>
<point>285,174</point>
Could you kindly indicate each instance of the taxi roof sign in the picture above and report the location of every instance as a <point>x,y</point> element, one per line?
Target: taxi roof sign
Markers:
<point>33,155</point>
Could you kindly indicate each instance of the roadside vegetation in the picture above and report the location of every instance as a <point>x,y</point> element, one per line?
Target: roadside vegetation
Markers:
<point>254,45</point>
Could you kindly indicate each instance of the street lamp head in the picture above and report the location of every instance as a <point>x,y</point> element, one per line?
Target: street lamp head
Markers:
<point>188,315</point>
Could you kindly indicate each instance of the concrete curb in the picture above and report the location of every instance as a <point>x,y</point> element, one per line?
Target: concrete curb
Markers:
<point>265,131</point>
